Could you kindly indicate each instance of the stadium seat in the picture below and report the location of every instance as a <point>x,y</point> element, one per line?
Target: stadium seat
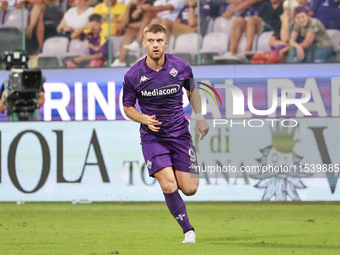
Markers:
<point>78,47</point>
<point>215,42</point>
<point>115,45</point>
<point>10,39</point>
<point>187,44</point>
<point>13,18</point>
<point>334,35</point>
<point>54,47</point>
<point>48,62</point>
<point>262,43</point>
<point>222,25</point>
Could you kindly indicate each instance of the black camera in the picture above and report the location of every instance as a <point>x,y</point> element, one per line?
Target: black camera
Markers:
<point>25,80</point>
<point>22,89</point>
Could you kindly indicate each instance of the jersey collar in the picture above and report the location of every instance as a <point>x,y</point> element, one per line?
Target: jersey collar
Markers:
<point>147,69</point>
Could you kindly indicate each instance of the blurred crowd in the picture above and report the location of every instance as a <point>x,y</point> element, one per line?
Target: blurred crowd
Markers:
<point>93,33</point>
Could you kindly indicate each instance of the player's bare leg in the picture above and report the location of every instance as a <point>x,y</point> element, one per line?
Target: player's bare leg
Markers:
<point>187,182</point>
<point>167,180</point>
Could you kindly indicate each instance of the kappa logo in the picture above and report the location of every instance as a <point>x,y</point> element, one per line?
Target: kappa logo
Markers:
<point>143,78</point>
<point>180,217</point>
<point>173,72</point>
<point>193,166</point>
<point>149,164</point>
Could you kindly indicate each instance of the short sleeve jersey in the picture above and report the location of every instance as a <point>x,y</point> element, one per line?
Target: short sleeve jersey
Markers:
<point>116,14</point>
<point>328,12</point>
<point>315,26</point>
<point>161,94</point>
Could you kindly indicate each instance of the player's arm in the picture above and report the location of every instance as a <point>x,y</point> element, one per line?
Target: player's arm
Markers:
<point>137,116</point>
<point>202,126</point>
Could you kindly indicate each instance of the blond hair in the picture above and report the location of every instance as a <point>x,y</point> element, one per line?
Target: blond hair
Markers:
<point>154,28</point>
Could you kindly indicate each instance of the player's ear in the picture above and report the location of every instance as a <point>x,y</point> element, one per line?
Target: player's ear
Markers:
<point>144,43</point>
<point>166,43</point>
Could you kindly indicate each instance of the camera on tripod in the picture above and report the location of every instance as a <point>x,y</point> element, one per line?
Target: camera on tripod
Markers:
<point>24,85</point>
<point>21,89</point>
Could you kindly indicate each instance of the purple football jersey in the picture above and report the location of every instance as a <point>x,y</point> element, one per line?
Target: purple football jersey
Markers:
<point>159,93</point>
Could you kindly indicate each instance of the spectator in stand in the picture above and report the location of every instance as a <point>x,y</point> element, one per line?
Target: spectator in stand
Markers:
<point>186,22</point>
<point>327,11</point>
<point>161,9</point>
<point>98,43</point>
<point>268,19</point>
<point>280,38</point>
<point>36,22</point>
<point>75,17</point>
<point>116,13</point>
<point>316,45</point>
<point>134,19</point>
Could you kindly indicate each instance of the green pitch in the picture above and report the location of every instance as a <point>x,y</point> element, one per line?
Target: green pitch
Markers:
<point>148,228</point>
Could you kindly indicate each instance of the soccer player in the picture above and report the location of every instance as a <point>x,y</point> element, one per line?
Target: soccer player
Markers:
<point>157,82</point>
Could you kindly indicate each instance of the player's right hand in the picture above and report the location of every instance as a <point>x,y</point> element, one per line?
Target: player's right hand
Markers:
<point>153,123</point>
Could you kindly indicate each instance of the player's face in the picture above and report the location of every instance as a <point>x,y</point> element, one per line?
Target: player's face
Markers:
<point>302,19</point>
<point>155,44</point>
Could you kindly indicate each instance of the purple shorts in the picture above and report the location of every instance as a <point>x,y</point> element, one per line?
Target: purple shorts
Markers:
<point>175,152</point>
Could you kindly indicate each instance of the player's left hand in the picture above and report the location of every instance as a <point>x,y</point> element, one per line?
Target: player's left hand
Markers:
<point>201,127</point>
<point>153,123</point>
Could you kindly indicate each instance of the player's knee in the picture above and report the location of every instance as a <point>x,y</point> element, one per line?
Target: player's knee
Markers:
<point>169,187</point>
<point>190,191</point>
